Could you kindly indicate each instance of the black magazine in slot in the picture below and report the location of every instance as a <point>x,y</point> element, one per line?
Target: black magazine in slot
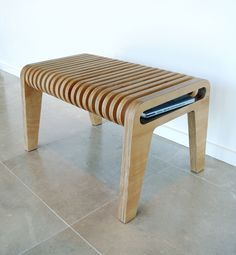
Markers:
<point>169,106</point>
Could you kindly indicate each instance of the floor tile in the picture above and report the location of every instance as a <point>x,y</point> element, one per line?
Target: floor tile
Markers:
<point>164,149</point>
<point>215,171</point>
<point>24,219</point>
<point>72,193</point>
<point>185,215</point>
<point>220,173</point>
<point>66,242</point>
<point>94,153</point>
<point>110,236</point>
<point>192,215</point>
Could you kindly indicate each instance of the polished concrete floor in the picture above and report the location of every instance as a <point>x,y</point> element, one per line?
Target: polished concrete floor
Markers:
<point>62,198</point>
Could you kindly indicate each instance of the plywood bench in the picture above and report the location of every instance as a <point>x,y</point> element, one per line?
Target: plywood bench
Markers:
<point>120,92</point>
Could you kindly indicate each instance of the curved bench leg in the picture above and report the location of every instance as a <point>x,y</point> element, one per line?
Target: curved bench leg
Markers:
<point>31,99</point>
<point>197,124</point>
<point>135,154</point>
<point>95,119</point>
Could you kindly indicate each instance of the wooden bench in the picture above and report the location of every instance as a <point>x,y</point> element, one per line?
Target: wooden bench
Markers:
<point>120,92</point>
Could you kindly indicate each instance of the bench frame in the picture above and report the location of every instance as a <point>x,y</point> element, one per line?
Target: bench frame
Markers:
<point>137,136</point>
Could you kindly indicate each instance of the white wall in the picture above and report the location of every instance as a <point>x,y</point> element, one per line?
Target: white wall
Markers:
<point>193,37</point>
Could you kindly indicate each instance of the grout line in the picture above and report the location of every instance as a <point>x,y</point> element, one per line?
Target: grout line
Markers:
<point>69,226</point>
<point>93,211</point>
<point>209,148</point>
<point>198,176</point>
<point>55,213</point>
<point>85,240</point>
<point>44,240</point>
<point>193,174</point>
<point>201,178</point>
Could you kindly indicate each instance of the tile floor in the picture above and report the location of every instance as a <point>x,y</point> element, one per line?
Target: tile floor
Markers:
<point>62,198</point>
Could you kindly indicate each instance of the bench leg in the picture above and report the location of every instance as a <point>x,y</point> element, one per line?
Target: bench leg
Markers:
<point>31,99</point>
<point>95,119</point>
<point>197,124</point>
<point>135,154</point>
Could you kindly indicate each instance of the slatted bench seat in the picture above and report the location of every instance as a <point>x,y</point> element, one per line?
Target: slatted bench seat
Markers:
<point>120,92</point>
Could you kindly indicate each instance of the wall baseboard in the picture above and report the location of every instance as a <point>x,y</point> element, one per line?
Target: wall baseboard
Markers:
<point>10,69</point>
<point>214,150</point>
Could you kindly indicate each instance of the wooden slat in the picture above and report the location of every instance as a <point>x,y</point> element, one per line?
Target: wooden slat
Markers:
<point>103,86</point>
